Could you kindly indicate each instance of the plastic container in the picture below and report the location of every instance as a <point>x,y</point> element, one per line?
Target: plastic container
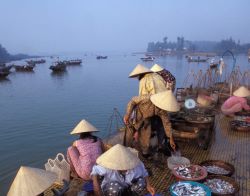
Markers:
<point>194,167</point>
<point>174,161</point>
<point>207,190</point>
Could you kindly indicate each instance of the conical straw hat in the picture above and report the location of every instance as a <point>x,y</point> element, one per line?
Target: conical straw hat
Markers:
<point>118,158</point>
<point>83,127</point>
<point>242,92</point>
<point>165,100</point>
<point>156,68</point>
<point>31,181</point>
<point>139,69</point>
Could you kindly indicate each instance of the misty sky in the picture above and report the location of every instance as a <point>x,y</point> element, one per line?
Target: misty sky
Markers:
<point>56,26</point>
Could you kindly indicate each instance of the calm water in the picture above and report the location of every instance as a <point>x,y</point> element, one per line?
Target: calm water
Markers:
<point>38,110</point>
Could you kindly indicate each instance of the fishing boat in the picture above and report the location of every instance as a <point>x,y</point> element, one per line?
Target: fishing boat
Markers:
<point>4,74</point>
<point>5,68</point>
<point>148,58</point>
<point>58,67</point>
<point>73,62</point>
<point>40,61</point>
<point>101,57</point>
<point>24,68</point>
<point>213,64</point>
<point>196,60</point>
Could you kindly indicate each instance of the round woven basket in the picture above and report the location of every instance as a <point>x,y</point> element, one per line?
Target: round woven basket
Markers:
<point>227,166</point>
<point>227,179</point>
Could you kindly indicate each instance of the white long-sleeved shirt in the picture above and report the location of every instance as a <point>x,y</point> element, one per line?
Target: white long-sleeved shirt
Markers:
<point>113,175</point>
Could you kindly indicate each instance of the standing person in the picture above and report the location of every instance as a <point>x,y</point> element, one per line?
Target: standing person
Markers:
<point>149,82</point>
<point>236,103</point>
<point>123,173</point>
<point>146,107</point>
<point>166,75</point>
<point>83,153</point>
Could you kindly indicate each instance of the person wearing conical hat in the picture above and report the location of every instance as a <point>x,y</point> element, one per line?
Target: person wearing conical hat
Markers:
<point>145,108</point>
<point>236,103</point>
<point>166,75</point>
<point>83,153</point>
<point>31,181</point>
<point>123,173</point>
<point>149,82</point>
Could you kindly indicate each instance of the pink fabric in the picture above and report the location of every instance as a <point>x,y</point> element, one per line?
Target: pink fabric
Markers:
<point>234,104</point>
<point>83,157</point>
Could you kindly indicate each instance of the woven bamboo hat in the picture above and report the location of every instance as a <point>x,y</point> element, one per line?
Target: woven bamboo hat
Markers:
<point>83,127</point>
<point>139,69</point>
<point>118,158</point>
<point>242,92</point>
<point>165,100</point>
<point>156,68</point>
<point>31,181</point>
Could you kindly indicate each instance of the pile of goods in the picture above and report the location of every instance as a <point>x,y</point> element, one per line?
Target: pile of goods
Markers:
<point>191,172</point>
<point>218,167</point>
<point>187,189</point>
<point>240,125</point>
<point>214,169</point>
<point>220,186</point>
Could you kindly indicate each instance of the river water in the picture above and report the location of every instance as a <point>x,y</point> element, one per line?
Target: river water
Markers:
<point>38,110</point>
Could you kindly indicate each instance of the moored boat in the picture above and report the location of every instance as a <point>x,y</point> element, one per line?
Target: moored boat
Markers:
<point>40,61</point>
<point>148,58</point>
<point>101,57</point>
<point>4,74</point>
<point>196,60</point>
<point>73,62</point>
<point>24,68</point>
<point>58,67</point>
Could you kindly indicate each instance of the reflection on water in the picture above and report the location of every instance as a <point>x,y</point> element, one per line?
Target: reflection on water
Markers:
<point>39,109</point>
<point>59,75</point>
<point>4,80</point>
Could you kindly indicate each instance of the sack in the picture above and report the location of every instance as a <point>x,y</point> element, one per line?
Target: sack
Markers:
<point>59,166</point>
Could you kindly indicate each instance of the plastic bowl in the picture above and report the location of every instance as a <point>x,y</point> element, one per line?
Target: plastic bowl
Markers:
<point>207,190</point>
<point>174,161</point>
<point>182,178</point>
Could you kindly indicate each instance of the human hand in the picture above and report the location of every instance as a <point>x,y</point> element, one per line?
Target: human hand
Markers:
<point>151,189</point>
<point>125,119</point>
<point>74,144</point>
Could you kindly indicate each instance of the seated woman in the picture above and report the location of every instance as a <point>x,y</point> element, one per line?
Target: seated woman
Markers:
<point>123,173</point>
<point>236,103</point>
<point>83,153</point>
<point>31,181</point>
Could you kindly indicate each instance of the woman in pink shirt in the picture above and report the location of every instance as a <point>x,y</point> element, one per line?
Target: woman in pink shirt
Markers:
<point>236,103</point>
<point>83,153</point>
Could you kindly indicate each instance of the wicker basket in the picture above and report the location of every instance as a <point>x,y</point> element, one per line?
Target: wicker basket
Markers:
<point>227,166</point>
<point>229,180</point>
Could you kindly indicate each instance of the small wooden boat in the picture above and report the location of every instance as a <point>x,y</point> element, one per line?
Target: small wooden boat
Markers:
<point>5,68</point>
<point>101,57</point>
<point>149,58</point>
<point>73,62</point>
<point>40,61</point>
<point>58,67</point>
<point>4,74</point>
<point>24,68</point>
<point>196,60</point>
